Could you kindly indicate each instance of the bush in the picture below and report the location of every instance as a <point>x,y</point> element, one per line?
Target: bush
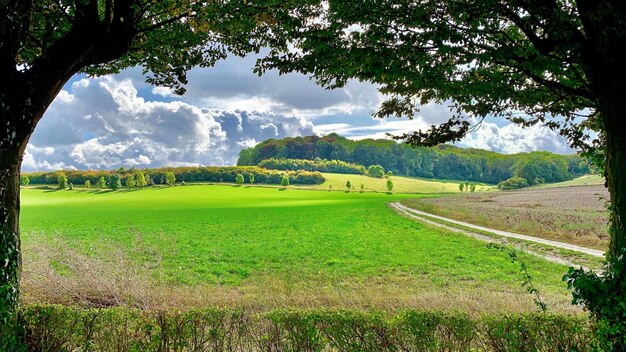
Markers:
<point>376,171</point>
<point>115,182</point>
<point>141,180</point>
<point>170,178</point>
<point>514,182</point>
<point>285,181</point>
<point>62,180</point>
<point>25,180</point>
<point>251,178</point>
<point>130,181</point>
<point>239,179</point>
<point>62,328</point>
<point>389,185</point>
<point>87,184</point>
<point>102,183</point>
<point>348,185</point>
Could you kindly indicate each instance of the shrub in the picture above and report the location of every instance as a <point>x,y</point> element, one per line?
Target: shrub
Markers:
<point>102,183</point>
<point>71,186</point>
<point>376,171</point>
<point>514,182</point>
<point>62,180</point>
<point>239,179</point>
<point>115,182</point>
<point>170,178</point>
<point>25,180</point>
<point>62,328</point>
<point>472,187</point>
<point>285,181</point>
<point>461,186</point>
<point>87,184</point>
<point>389,185</point>
<point>251,178</point>
<point>348,185</point>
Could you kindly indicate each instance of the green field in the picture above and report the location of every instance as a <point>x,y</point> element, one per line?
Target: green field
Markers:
<point>262,248</point>
<point>401,184</point>
<point>587,180</point>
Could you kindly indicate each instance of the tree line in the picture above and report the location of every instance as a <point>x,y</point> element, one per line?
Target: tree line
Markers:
<point>442,162</point>
<point>169,175</point>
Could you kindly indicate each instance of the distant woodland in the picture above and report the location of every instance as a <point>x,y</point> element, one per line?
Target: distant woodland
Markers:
<point>441,162</point>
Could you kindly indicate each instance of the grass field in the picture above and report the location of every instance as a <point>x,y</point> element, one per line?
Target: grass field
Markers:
<point>401,184</point>
<point>261,248</point>
<point>573,214</point>
<point>587,180</point>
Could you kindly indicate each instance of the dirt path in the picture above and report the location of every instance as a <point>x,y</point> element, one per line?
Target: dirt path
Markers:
<point>426,217</point>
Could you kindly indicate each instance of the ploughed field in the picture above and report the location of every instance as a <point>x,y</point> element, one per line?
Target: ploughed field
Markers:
<point>573,214</point>
<point>262,248</point>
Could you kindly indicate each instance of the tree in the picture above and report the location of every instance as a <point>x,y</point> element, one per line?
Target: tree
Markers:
<point>389,173</point>
<point>102,183</point>
<point>348,185</point>
<point>87,184</point>
<point>141,180</point>
<point>71,186</point>
<point>461,186</point>
<point>251,178</point>
<point>130,181</point>
<point>556,63</point>
<point>362,188</point>
<point>44,43</point>
<point>62,179</point>
<point>376,171</point>
<point>239,179</point>
<point>285,181</point>
<point>473,187</point>
<point>115,182</point>
<point>25,180</point>
<point>389,185</point>
<point>170,178</point>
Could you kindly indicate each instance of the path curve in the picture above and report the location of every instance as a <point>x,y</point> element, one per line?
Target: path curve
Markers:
<point>408,211</point>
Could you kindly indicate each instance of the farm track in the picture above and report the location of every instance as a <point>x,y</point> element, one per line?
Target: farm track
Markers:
<point>432,220</point>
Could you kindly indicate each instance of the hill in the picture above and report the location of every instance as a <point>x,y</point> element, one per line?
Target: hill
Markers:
<point>441,162</point>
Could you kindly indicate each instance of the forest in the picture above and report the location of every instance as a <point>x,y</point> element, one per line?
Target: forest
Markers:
<point>441,162</point>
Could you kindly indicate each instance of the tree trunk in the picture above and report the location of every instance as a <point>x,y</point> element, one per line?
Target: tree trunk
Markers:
<point>612,109</point>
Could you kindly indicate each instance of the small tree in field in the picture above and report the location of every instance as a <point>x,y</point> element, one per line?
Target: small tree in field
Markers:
<point>239,179</point>
<point>389,185</point>
<point>389,173</point>
<point>362,188</point>
<point>141,180</point>
<point>102,183</point>
<point>62,181</point>
<point>130,181</point>
<point>376,171</point>
<point>348,185</point>
<point>467,186</point>
<point>71,186</point>
<point>285,181</point>
<point>115,182</point>
<point>472,187</point>
<point>461,186</point>
<point>170,178</point>
<point>25,180</point>
<point>251,178</point>
<point>87,184</point>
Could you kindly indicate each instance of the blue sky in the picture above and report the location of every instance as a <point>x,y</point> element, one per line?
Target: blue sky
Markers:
<point>119,120</point>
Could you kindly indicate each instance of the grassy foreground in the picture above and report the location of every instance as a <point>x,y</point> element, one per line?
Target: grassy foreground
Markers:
<point>261,248</point>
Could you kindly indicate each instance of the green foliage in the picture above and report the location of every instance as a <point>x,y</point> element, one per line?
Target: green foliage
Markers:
<point>130,181</point>
<point>389,173</point>
<point>170,178</point>
<point>61,328</point>
<point>473,187</point>
<point>62,180</point>
<point>189,174</point>
<point>141,180</point>
<point>514,182</point>
<point>321,165</point>
<point>443,162</point>
<point>239,179</point>
<point>87,184</point>
<point>115,181</point>
<point>285,181</point>
<point>461,187</point>
<point>376,171</point>
<point>389,185</point>
<point>251,178</point>
<point>24,180</point>
<point>348,185</point>
<point>70,186</point>
<point>102,183</point>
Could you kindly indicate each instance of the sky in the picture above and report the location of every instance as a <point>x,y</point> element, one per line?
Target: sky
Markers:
<point>119,120</point>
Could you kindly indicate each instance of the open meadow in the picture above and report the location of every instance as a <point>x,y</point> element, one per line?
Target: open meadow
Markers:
<point>262,248</point>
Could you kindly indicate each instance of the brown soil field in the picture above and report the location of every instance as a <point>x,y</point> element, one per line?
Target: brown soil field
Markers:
<point>576,215</point>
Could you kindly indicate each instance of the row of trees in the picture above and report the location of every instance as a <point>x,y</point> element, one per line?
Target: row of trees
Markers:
<point>443,161</point>
<point>316,164</point>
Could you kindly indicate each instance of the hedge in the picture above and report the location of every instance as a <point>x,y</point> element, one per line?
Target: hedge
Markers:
<point>187,174</point>
<point>62,328</point>
<point>321,165</point>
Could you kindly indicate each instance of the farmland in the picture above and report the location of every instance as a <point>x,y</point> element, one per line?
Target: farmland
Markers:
<point>573,213</point>
<point>261,248</point>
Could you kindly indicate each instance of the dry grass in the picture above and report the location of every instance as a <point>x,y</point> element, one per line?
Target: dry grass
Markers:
<point>56,273</point>
<point>575,215</point>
